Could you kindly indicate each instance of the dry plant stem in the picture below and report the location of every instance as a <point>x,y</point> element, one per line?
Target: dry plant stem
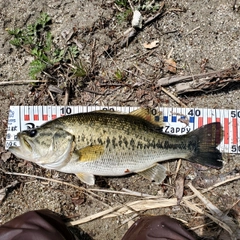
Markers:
<point>149,20</point>
<point>192,30</point>
<point>223,220</point>
<point>158,203</point>
<point>129,207</point>
<point>66,97</point>
<point>199,210</point>
<point>93,58</point>
<point>212,208</point>
<point>51,96</point>
<point>173,97</point>
<point>179,163</point>
<point>124,192</point>
<point>92,217</point>
<point>22,82</point>
<point>167,81</point>
<point>131,5</point>
<point>56,181</point>
<point>205,82</point>
<point>201,226</point>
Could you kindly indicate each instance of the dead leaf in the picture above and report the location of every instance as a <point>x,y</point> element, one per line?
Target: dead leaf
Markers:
<point>5,156</point>
<point>171,65</point>
<point>151,45</point>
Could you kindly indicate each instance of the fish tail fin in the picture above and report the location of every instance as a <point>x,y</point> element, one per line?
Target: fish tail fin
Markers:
<point>208,138</point>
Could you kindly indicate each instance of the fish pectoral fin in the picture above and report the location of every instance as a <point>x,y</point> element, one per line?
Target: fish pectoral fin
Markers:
<point>156,119</point>
<point>87,178</point>
<point>157,173</point>
<point>90,153</point>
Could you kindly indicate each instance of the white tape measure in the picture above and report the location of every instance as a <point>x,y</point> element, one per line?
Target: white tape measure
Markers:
<point>176,120</point>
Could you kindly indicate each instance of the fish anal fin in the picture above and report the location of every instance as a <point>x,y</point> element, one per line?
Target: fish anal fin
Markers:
<point>147,114</point>
<point>86,178</point>
<point>156,173</point>
<point>90,153</point>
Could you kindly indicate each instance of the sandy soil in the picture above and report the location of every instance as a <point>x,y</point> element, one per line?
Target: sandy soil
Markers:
<point>201,36</point>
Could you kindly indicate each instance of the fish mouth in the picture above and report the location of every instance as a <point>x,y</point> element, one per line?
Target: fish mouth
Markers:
<point>24,148</point>
<point>26,143</point>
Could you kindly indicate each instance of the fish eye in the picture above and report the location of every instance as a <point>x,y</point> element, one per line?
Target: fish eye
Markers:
<point>32,132</point>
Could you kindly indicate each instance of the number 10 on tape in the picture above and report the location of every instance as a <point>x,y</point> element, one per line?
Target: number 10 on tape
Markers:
<point>176,120</point>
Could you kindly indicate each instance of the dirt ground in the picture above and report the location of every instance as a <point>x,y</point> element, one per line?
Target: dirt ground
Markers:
<point>200,36</point>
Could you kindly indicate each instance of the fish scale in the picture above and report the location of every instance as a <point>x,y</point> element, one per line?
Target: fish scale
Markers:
<point>110,143</point>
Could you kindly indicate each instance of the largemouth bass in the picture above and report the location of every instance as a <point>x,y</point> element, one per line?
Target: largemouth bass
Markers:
<point>114,144</point>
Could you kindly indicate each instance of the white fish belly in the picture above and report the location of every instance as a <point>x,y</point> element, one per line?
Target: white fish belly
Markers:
<point>119,164</point>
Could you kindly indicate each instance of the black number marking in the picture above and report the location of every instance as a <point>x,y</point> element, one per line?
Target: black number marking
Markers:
<point>235,148</point>
<point>152,111</point>
<point>66,110</point>
<point>235,114</point>
<point>108,109</point>
<point>195,112</point>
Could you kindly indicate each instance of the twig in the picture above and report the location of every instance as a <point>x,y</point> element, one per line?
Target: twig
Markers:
<point>201,211</point>
<point>22,82</point>
<point>66,96</point>
<point>223,220</point>
<point>118,8</point>
<point>207,82</point>
<point>131,6</point>
<point>93,55</point>
<point>92,217</point>
<point>145,205</point>
<point>124,192</point>
<point>193,30</point>
<point>173,97</point>
<point>56,181</point>
<point>149,20</point>
<point>179,163</point>
<point>44,178</point>
<point>129,207</point>
<point>134,193</point>
<point>51,96</point>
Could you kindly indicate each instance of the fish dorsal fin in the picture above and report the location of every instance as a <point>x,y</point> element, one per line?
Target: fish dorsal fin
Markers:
<point>90,153</point>
<point>87,178</point>
<point>157,173</point>
<point>154,117</point>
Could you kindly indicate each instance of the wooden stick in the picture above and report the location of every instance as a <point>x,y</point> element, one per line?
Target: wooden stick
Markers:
<point>22,82</point>
<point>173,97</point>
<point>205,82</point>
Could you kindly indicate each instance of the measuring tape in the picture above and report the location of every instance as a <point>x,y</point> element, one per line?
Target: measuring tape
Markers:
<point>176,120</point>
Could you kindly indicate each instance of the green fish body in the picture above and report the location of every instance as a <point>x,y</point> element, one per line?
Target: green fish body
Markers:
<point>114,144</point>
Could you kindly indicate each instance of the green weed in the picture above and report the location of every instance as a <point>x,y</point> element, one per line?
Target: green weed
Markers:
<point>37,40</point>
<point>122,3</point>
<point>119,75</point>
